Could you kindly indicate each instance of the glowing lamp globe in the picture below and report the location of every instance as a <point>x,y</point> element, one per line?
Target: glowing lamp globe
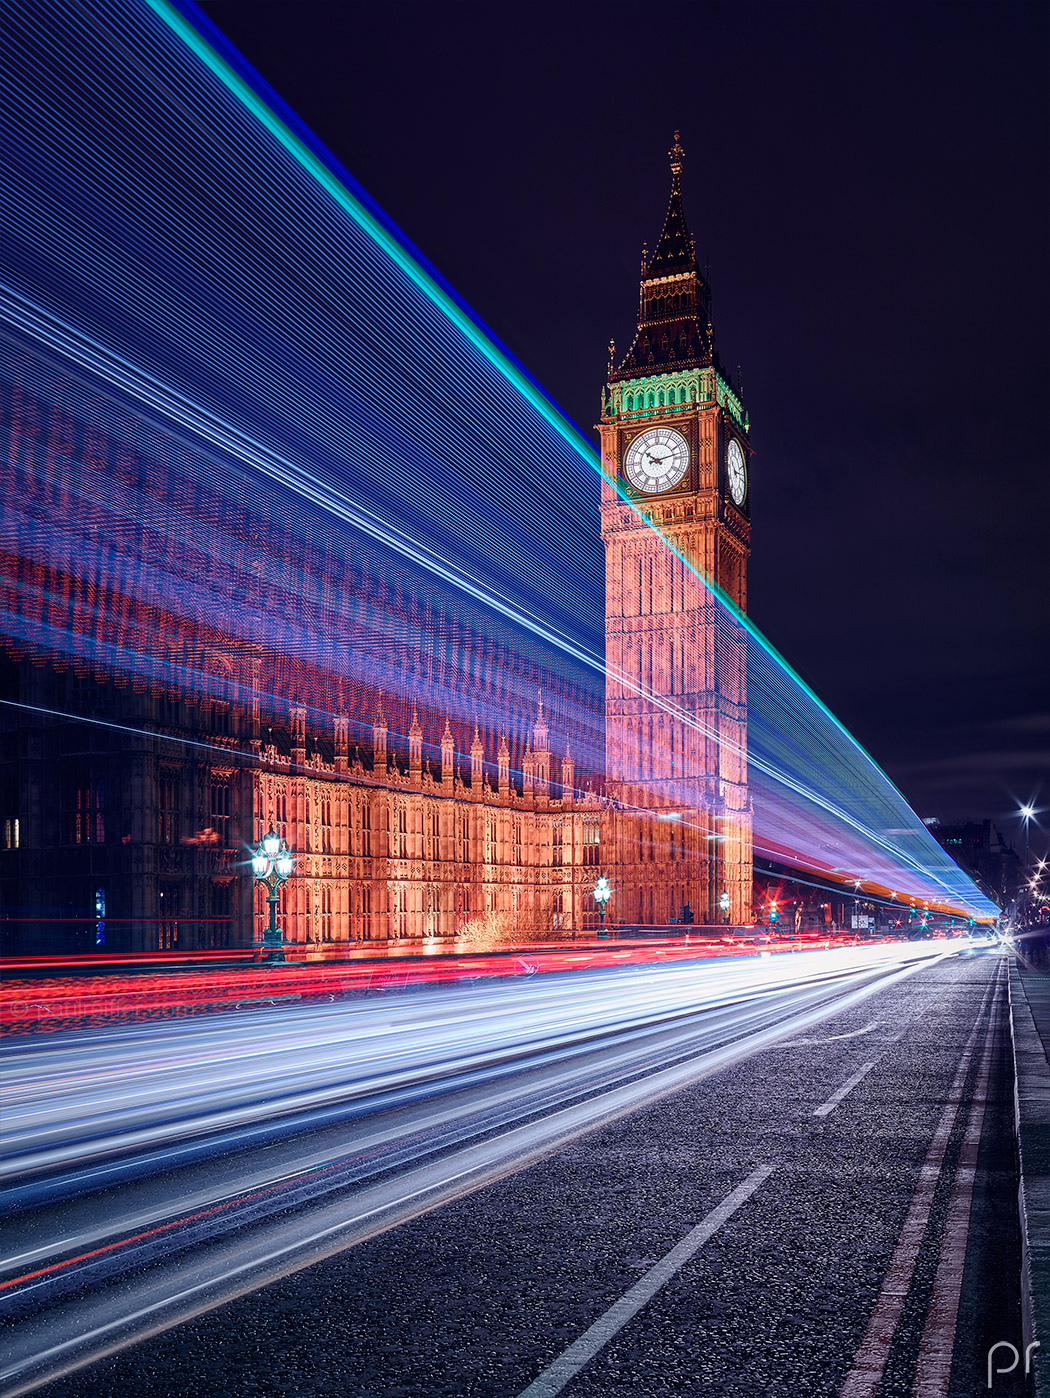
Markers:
<point>260,865</point>
<point>285,863</point>
<point>271,843</point>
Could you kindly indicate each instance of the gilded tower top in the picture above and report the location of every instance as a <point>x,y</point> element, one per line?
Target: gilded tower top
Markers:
<point>674,252</point>
<point>674,329</point>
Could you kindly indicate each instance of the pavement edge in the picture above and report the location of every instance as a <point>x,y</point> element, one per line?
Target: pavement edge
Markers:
<point>1032,1126</point>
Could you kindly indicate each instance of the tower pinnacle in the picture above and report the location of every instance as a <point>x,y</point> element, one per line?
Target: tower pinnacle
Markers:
<point>676,155</point>
<point>674,252</point>
<point>674,302</point>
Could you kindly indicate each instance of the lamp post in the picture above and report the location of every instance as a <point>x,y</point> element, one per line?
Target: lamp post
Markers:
<point>723,903</point>
<point>272,865</point>
<point>1026,813</point>
<point>602,894</point>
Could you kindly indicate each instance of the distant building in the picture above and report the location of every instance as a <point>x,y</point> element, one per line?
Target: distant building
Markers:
<point>146,745</point>
<point>981,851</point>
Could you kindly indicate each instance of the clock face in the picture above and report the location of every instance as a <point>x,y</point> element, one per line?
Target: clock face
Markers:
<point>657,460</point>
<point>736,471</point>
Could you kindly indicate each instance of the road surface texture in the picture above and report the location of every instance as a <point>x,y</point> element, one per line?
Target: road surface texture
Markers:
<point>833,1213</point>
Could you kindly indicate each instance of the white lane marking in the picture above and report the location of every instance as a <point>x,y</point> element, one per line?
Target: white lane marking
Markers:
<point>44,1350</point>
<point>571,1361</point>
<point>869,1362</point>
<point>934,1367</point>
<point>832,1038</point>
<point>848,1086</point>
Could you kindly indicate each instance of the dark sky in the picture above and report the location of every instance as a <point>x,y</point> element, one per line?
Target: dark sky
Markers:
<point>869,183</point>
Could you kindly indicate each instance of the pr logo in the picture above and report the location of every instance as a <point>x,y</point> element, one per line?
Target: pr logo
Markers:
<point>1005,1344</point>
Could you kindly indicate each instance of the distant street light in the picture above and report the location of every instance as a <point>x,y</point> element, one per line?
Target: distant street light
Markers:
<point>602,894</point>
<point>1026,813</point>
<point>272,865</point>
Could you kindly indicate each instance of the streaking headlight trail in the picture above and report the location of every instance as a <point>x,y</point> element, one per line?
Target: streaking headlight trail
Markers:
<point>253,424</point>
<point>155,1172</point>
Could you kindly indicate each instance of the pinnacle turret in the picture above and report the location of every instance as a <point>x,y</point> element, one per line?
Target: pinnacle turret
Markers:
<point>674,312</point>
<point>674,252</point>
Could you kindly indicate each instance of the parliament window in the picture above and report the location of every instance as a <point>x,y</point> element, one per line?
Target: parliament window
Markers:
<point>366,914</point>
<point>366,831</point>
<point>217,717</point>
<point>219,801</point>
<point>218,930</point>
<point>85,810</point>
<point>591,846</point>
<point>168,921</point>
<point>168,809</point>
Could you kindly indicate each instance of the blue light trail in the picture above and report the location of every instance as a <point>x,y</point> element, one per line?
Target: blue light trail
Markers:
<point>193,279</point>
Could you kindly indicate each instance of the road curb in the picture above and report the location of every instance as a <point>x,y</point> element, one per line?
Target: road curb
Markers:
<point>1032,1124</point>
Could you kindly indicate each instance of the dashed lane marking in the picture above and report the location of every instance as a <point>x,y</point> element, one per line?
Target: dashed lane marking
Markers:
<point>571,1361</point>
<point>848,1086</point>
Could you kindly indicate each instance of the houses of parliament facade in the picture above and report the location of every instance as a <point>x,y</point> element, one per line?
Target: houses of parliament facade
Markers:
<point>129,801</point>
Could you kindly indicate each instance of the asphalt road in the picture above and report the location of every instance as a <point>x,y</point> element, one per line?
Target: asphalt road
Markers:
<point>796,1221</point>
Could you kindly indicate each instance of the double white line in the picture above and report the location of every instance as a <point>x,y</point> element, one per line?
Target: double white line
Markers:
<point>938,1340</point>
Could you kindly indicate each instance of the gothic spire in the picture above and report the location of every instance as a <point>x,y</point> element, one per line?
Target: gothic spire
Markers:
<point>674,252</point>
<point>674,314</point>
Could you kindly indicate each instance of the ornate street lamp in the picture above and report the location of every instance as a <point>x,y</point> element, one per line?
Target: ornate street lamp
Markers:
<point>602,894</point>
<point>272,865</point>
<point>723,903</point>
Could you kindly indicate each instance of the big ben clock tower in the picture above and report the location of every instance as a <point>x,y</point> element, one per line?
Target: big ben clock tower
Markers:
<point>674,437</point>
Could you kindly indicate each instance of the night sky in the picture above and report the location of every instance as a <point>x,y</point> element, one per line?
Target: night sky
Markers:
<point>869,184</point>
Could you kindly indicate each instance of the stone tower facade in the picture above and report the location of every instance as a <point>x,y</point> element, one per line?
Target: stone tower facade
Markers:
<point>676,456</point>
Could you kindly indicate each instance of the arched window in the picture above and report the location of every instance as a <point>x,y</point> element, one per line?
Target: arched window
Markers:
<point>661,398</point>
<point>652,401</point>
<point>630,402</point>
<point>692,395</point>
